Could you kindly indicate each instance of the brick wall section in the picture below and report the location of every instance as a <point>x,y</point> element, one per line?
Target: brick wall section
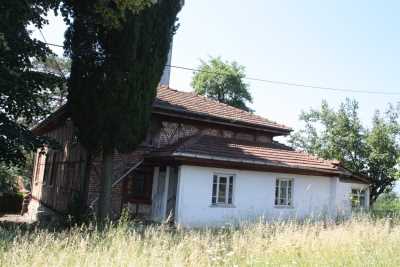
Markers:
<point>121,164</point>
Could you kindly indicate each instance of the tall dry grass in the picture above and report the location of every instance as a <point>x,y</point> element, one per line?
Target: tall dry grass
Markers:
<point>358,242</point>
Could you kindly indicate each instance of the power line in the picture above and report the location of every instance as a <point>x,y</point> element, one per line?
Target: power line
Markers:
<point>292,84</point>
<point>56,45</point>
<point>57,65</point>
<point>334,89</point>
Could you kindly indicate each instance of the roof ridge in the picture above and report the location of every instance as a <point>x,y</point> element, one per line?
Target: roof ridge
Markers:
<point>193,93</point>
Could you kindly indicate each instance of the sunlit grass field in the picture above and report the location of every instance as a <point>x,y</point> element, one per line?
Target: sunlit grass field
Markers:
<point>357,242</point>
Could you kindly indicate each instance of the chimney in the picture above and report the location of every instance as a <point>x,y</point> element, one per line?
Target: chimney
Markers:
<point>167,69</point>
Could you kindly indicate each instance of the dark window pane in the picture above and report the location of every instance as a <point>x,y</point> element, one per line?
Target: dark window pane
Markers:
<point>283,192</point>
<point>362,201</point>
<point>222,180</point>
<point>222,193</point>
<point>137,185</point>
<point>230,190</point>
<point>214,190</point>
<point>54,168</point>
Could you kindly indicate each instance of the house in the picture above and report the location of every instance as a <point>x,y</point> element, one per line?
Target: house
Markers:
<point>202,163</point>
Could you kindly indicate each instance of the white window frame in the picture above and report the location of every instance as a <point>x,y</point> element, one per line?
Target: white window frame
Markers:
<point>357,195</point>
<point>277,192</point>
<point>229,186</point>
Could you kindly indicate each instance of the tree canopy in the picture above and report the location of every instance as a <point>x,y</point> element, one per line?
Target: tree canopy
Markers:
<point>24,90</point>
<point>340,135</point>
<point>116,67</point>
<point>223,81</point>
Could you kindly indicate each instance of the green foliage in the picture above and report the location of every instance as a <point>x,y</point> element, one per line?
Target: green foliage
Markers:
<point>24,90</point>
<point>8,182</point>
<point>55,97</point>
<point>223,81</point>
<point>113,13</point>
<point>340,135</point>
<point>388,202</point>
<point>9,175</point>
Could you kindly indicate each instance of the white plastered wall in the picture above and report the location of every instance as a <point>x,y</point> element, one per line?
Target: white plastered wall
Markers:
<point>254,195</point>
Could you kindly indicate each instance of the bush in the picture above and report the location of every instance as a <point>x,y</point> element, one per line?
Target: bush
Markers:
<point>387,204</point>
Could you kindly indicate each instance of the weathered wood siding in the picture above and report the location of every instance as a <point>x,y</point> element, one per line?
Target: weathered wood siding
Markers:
<point>57,173</point>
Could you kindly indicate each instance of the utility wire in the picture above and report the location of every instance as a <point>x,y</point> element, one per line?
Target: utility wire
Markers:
<point>57,65</point>
<point>292,84</point>
<point>335,89</point>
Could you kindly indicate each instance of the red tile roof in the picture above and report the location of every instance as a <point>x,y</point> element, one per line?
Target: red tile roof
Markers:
<point>189,102</point>
<point>242,151</point>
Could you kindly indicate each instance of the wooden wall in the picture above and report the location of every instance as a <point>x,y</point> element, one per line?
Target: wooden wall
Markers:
<point>57,172</point>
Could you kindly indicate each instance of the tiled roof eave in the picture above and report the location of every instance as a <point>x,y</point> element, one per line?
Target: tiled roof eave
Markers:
<point>333,172</point>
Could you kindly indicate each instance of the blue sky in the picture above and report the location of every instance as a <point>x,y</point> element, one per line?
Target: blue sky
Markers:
<point>345,44</point>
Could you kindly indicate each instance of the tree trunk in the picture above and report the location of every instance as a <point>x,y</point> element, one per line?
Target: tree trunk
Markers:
<point>85,179</point>
<point>104,208</point>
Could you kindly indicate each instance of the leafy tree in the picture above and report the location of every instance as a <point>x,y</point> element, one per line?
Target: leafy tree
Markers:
<point>57,96</point>
<point>223,81</point>
<point>116,67</point>
<point>9,175</point>
<point>8,182</point>
<point>340,135</point>
<point>23,90</point>
<point>60,67</point>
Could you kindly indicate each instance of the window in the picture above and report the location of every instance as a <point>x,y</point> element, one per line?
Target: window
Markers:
<point>222,189</point>
<point>138,187</point>
<point>358,198</point>
<point>284,192</point>
<point>38,165</point>
<point>54,168</point>
<point>48,166</point>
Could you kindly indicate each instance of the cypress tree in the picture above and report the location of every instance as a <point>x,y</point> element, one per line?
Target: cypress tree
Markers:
<point>116,67</point>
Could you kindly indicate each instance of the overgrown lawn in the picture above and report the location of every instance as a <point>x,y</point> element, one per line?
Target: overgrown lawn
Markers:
<point>358,242</point>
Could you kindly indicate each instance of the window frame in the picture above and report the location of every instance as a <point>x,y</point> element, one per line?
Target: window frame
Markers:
<point>277,192</point>
<point>54,168</point>
<point>360,192</point>
<point>38,163</point>
<point>229,190</point>
<point>48,167</point>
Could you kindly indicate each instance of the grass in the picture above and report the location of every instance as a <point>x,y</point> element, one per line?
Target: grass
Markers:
<point>357,242</point>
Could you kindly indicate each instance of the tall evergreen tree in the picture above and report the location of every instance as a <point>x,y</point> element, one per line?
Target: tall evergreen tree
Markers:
<point>23,90</point>
<point>118,52</point>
